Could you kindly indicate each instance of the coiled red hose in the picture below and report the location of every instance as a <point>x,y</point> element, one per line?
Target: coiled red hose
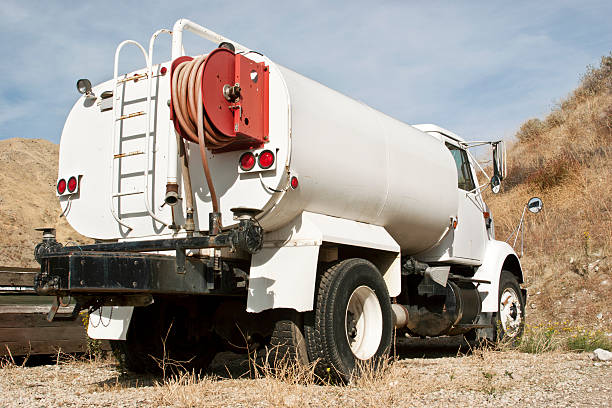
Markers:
<point>189,113</point>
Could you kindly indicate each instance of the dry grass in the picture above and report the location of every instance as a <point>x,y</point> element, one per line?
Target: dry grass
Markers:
<point>482,375</point>
<point>565,160</point>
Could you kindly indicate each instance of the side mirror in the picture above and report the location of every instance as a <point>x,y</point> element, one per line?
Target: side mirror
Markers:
<point>535,205</point>
<point>499,160</point>
<point>495,184</point>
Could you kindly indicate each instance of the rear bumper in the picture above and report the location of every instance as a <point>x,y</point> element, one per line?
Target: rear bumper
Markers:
<point>121,273</point>
<point>114,270</point>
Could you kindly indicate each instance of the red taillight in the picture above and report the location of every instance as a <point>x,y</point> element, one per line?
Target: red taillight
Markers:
<point>247,161</point>
<point>61,186</point>
<point>266,159</point>
<point>163,70</point>
<point>72,184</point>
<point>294,182</point>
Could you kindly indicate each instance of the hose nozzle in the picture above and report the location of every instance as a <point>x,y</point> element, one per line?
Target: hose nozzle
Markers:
<point>172,196</point>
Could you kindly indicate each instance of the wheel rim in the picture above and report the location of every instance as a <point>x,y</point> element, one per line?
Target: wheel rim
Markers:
<point>364,323</point>
<point>510,312</point>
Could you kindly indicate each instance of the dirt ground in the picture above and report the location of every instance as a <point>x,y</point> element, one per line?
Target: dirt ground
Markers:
<point>430,374</point>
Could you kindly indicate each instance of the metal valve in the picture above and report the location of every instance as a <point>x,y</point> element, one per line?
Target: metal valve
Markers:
<point>231,93</point>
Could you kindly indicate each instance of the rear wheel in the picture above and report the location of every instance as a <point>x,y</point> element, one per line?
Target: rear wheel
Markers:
<point>351,325</point>
<point>188,345</point>
<point>287,344</point>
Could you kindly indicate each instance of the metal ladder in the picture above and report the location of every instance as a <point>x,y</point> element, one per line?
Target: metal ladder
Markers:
<point>118,118</point>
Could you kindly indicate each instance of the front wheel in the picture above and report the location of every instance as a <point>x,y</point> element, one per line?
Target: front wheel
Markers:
<point>351,325</point>
<point>510,319</point>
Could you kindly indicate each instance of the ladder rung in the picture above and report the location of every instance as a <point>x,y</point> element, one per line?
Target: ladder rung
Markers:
<point>131,115</point>
<point>120,155</point>
<point>132,78</point>
<point>127,193</point>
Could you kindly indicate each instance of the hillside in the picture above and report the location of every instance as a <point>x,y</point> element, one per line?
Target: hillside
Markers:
<point>565,159</point>
<point>28,172</point>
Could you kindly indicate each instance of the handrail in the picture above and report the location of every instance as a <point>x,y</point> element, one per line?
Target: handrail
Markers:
<point>148,131</point>
<point>112,166</point>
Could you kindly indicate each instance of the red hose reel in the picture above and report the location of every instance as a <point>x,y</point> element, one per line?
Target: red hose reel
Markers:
<point>235,99</point>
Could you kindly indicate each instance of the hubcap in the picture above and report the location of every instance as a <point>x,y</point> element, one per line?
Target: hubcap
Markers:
<point>363,322</point>
<point>510,312</point>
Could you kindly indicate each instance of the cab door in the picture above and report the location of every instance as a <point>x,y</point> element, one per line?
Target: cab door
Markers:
<point>470,233</point>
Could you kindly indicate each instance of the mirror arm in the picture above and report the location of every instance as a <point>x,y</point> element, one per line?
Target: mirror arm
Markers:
<point>479,188</point>
<point>478,165</point>
<point>475,143</point>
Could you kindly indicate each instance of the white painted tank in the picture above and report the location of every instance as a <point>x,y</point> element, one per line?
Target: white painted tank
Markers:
<point>351,162</point>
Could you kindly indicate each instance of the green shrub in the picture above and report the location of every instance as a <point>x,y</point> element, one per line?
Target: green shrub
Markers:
<point>588,341</point>
<point>537,340</point>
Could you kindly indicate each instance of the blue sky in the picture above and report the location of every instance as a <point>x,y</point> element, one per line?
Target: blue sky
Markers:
<point>479,68</point>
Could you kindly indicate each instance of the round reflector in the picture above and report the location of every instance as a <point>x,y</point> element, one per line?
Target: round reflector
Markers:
<point>72,184</point>
<point>266,159</point>
<point>61,186</point>
<point>247,161</point>
<point>294,182</point>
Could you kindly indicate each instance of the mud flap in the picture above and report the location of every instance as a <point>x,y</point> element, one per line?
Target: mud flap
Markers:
<point>110,322</point>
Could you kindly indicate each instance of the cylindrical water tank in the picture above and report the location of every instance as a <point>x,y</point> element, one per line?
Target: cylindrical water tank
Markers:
<point>351,162</point>
<point>357,163</point>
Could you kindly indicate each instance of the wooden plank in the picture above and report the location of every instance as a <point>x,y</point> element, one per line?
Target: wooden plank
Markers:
<point>18,269</point>
<point>48,347</point>
<point>24,329</point>
<point>17,278</point>
<point>16,320</point>
<point>25,334</point>
<point>26,309</point>
<point>17,290</point>
<point>42,347</point>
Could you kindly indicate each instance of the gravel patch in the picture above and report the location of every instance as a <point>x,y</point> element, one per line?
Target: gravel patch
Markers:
<point>482,378</point>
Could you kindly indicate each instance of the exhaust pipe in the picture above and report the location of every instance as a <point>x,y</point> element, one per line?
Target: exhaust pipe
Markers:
<point>401,316</point>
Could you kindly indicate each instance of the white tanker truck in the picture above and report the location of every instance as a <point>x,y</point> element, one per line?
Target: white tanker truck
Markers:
<point>236,204</point>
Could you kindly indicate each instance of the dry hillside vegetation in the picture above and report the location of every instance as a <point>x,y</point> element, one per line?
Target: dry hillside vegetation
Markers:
<point>28,172</point>
<point>565,160</point>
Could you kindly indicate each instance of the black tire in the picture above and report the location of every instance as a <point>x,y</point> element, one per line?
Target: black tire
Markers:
<point>511,309</point>
<point>143,349</point>
<point>329,327</point>
<point>287,343</point>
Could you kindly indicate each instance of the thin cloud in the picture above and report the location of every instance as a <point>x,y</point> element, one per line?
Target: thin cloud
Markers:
<point>479,68</point>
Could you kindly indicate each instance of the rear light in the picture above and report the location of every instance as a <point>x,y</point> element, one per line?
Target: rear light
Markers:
<point>61,186</point>
<point>253,161</point>
<point>266,159</point>
<point>247,161</point>
<point>72,184</point>
<point>294,182</point>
